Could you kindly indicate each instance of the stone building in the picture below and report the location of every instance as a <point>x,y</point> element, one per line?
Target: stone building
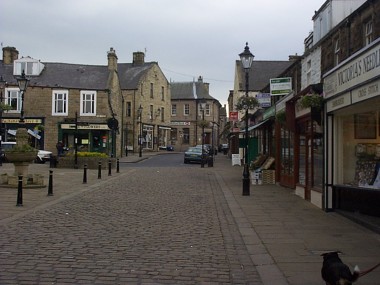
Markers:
<point>188,118</point>
<point>95,104</point>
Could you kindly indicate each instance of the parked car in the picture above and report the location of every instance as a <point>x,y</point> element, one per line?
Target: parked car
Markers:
<point>194,154</point>
<point>43,156</point>
<point>6,146</point>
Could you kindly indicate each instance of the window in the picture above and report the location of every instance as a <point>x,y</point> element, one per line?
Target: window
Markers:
<point>186,110</point>
<point>151,112</point>
<point>163,93</point>
<point>88,103</point>
<point>308,72</point>
<point>60,101</point>
<point>208,110</point>
<point>336,52</point>
<point>162,114</point>
<point>368,33</point>
<point>174,110</point>
<point>151,90</point>
<point>129,109</point>
<point>13,99</point>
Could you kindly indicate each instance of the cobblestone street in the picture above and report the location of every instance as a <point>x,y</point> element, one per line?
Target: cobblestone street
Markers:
<point>163,227</point>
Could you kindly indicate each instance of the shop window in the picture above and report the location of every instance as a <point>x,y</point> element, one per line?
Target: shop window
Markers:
<point>287,152</point>
<point>358,158</point>
<point>88,103</point>
<point>60,101</point>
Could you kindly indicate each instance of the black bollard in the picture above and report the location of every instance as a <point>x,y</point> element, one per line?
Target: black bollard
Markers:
<point>117,166</point>
<point>109,167</point>
<point>50,188</point>
<point>99,170</point>
<point>85,174</point>
<point>19,192</point>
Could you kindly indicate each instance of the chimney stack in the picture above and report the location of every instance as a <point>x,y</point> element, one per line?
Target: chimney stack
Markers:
<point>10,54</point>
<point>112,60</point>
<point>138,58</point>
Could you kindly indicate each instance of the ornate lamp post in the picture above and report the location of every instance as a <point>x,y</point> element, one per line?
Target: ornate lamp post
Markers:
<point>139,112</point>
<point>203,107</point>
<point>22,82</point>
<point>246,58</point>
<point>2,85</point>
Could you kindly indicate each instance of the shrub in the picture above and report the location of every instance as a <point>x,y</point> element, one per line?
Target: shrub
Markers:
<point>88,154</point>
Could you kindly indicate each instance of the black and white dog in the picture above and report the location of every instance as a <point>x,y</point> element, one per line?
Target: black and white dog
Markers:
<point>335,272</point>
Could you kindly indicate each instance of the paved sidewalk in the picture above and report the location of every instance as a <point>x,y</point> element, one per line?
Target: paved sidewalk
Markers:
<point>281,229</point>
<point>283,233</point>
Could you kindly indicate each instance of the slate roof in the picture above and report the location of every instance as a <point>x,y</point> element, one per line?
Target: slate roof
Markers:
<point>261,72</point>
<point>92,77</point>
<point>186,91</point>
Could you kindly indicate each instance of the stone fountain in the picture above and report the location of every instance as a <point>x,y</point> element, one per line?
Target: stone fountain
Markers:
<point>21,156</point>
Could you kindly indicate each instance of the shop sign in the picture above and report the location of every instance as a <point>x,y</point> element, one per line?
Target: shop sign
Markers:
<point>234,116</point>
<point>338,102</point>
<point>17,120</point>
<point>357,69</point>
<point>180,123</point>
<point>264,99</point>
<point>365,92</point>
<point>280,86</point>
<point>85,127</point>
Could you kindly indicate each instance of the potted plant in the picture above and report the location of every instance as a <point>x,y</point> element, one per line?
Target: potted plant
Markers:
<point>246,102</point>
<point>314,101</point>
<point>281,116</point>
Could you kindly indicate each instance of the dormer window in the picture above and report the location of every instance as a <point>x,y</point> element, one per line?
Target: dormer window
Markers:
<point>31,67</point>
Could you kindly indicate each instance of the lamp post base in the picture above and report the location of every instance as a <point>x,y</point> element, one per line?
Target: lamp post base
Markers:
<point>246,181</point>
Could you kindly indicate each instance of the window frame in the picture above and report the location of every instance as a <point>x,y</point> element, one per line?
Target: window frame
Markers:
<point>186,109</point>
<point>368,32</point>
<point>8,99</point>
<point>65,101</point>
<point>174,110</point>
<point>93,94</point>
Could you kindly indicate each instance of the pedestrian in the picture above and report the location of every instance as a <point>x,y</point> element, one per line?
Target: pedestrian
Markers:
<point>59,147</point>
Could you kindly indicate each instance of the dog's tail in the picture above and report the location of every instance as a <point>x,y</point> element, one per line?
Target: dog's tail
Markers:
<point>356,274</point>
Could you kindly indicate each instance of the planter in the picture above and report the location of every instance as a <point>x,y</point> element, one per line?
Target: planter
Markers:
<point>21,156</point>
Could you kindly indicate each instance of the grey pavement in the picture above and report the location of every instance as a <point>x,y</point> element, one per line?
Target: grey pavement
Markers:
<point>194,228</point>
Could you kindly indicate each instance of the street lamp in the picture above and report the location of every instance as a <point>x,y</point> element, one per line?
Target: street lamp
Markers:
<point>2,85</point>
<point>139,112</point>
<point>246,58</point>
<point>22,82</point>
<point>203,107</point>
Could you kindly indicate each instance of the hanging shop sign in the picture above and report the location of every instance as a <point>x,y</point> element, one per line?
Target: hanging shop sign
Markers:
<point>234,116</point>
<point>264,99</point>
<point>280,86</point>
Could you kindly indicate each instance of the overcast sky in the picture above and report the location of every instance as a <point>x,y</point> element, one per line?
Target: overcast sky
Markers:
<point>188,38</point>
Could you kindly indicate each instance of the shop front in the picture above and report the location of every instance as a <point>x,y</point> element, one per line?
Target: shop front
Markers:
<point>91,137</point>
<point>35,128</point>
<point>352,91</point>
